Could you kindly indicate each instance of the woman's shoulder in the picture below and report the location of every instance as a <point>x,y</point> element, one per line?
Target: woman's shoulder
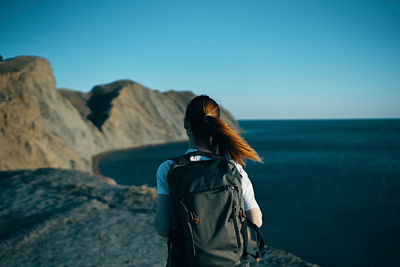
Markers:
<point>165,166</point>
<point>239,167</point>
<point>167,162</point>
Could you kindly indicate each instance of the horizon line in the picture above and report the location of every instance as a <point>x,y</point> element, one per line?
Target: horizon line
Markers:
<point>288,119</point>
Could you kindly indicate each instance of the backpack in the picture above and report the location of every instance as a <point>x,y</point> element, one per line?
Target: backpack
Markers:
<point>208,225</point>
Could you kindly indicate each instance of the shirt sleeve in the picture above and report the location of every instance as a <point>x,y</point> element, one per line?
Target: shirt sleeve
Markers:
<point>248,192</point>
<point>162,184</point>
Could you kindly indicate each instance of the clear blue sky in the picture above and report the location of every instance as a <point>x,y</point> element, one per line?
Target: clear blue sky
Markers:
<point>260,59</point>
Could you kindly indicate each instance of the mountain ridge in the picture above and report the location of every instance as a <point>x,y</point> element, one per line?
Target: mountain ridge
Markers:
<point>42,126</point>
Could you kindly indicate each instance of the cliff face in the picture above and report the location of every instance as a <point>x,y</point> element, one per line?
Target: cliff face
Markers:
<point>41,126</point>
<point>37,125</point>
<point>132,114</point>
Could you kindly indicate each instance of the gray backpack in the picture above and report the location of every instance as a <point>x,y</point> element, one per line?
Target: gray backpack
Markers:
<point>208,225</point>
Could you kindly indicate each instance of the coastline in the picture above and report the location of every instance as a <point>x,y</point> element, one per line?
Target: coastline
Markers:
<point>97,157</point>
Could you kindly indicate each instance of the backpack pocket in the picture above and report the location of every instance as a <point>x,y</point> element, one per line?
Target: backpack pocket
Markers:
<point>210,226</point>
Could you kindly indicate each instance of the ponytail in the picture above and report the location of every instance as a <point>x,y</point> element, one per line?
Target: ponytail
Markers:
<point>226,141</point>
<point>203,116</point>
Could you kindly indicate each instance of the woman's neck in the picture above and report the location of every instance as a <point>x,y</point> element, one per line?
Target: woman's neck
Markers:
<point>198,145</point>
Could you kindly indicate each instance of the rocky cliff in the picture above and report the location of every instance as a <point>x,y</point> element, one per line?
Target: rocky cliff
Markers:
<point>53,217</point>
<point>41,126</point>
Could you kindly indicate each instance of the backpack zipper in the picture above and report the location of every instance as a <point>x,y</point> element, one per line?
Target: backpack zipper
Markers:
<point>227,187</point>
<point>235,225</point>
<point>189,225</point>
<point>194,218</point>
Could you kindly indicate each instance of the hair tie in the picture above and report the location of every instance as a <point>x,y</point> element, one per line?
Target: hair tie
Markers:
<point>204,117</point>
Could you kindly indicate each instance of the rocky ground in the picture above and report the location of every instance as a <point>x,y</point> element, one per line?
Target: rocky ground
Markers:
<point>54,217</point>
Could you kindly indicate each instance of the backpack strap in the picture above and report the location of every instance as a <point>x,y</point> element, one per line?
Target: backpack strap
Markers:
<point>185,159</point>
<point>202,153</point>
<point>260,242</point>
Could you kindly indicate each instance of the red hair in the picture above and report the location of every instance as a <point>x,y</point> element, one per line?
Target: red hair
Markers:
<point>203,116</point>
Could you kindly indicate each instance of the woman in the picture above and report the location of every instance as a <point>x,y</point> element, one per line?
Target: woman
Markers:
<point>208,133</point>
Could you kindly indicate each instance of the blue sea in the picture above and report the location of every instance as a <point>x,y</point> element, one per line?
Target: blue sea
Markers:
<point>329,190</point>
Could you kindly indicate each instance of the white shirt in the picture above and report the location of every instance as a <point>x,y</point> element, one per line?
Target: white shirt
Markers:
<point>247,188</point>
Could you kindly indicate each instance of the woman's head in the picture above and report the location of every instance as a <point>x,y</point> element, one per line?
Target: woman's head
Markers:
<point>202,117</point>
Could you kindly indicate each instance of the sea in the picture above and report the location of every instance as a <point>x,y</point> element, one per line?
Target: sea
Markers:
<point>329,189</point>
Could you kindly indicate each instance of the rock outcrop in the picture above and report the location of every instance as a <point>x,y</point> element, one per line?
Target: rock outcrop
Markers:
<point>53,217</point>
<point>41,126</point>
<point>37,125</point>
